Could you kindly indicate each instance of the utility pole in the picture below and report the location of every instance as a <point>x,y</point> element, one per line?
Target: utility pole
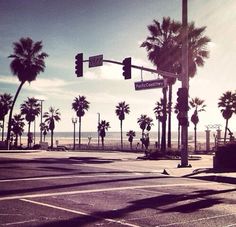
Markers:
<point>185,82</point>
<point>41,119</point>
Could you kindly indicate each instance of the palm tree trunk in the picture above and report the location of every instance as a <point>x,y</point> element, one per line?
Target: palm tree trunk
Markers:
<point>3,122</point>
<point>226,126</point>
<point>121,135</point>
<point>10,114</point>
<point>178,136</point>
<point>16,140</point>
<point>102,142</point>
<point>142,138</point>
<point>28,141</point>
<point>158,134</point>
<point>163,137</point>
<point>195,138</point>
<point>51,139</point>
<point>169,117</point>
<point>79,132</point>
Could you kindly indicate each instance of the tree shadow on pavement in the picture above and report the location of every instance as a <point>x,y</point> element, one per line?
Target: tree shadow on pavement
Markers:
<point>182,203</point>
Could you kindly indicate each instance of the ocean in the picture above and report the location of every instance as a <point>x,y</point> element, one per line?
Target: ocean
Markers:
<point>113,137</point>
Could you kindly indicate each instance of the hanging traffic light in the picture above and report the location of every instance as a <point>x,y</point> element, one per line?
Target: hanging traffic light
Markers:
<point>182,99</point>
<point>127,68</point>
<point>183,120</point>
<point>79,65</point>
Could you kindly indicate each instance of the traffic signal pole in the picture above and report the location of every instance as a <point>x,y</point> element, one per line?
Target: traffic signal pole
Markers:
<point>185,82</point>
<point>158,71</point>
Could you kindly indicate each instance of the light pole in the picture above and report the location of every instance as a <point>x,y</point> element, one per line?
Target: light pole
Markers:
<point>74,121</point>
<point>41,119</point>
<point>98,128</point>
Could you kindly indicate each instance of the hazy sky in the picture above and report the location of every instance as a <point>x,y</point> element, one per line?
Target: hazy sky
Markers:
<point>115,29</point>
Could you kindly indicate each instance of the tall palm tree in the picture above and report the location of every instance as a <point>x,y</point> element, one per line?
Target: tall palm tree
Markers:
<point>198,105</point>
<point>50,118</point>
<point>164,50</point>
<point>158,111</point>
<point>79,106</point>
<point>102,128</point>
<point>121,109</point>
<point>27,63</point>
<point>227,103</point>
<point>5,106</point>
<point>30,108</point>
<point>17,127</point>
<point>131,134</point>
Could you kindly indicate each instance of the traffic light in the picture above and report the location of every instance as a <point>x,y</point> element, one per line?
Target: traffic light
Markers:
<point>79,65</point>
<point>182,99</point>
<point>183,120</point>
<point>127,68</point>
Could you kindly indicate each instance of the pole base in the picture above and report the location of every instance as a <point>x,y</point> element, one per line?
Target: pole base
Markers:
<point>184,166</point>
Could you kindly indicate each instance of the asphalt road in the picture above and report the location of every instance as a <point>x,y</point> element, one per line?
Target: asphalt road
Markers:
<point>65,191</point>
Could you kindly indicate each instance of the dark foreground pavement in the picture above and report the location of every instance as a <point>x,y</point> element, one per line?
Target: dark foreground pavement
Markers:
<point>111,189</point>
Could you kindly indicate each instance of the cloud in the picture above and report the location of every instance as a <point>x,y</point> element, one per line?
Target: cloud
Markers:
<point>111,71</point>
<point>8,79</point>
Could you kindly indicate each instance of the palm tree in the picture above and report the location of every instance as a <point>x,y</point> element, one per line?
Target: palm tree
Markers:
<point>79,106</point>
<point>164,50</point>
<point>30,108</point>
<point>44,128</point>
<point>144,122</point>
<point>158,110</point>
<point>199,106</point>
<point>5,106</point>
<point>227,103</point>
<point>121,109</point>
<point>131,134</point>
<point>50,118</point>
<point>17,127</point>
<point>102,128</point>
<point>27,63</point>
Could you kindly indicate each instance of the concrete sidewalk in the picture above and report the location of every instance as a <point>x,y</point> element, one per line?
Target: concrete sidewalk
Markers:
<point>202,167</point>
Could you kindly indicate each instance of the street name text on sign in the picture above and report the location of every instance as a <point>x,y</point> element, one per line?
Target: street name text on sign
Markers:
<point>149,84</point>
<point>95,61</point>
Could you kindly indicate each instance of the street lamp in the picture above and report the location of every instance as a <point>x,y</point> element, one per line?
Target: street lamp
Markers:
<point>98,128</point>
<point>74,121</point>
<point>41,120</point>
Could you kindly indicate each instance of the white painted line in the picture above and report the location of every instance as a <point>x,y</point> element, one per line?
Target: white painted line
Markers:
<point>19,222</point>
<point>230,225</point>
<point>102,190</point>
<point>66,177</point>
<point>79,212</point>
<point>198,220</point>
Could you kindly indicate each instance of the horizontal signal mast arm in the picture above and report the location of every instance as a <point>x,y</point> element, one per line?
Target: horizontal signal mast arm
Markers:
<point>158,71</point>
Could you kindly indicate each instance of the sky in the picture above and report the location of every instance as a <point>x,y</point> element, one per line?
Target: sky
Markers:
<point>115,29</point>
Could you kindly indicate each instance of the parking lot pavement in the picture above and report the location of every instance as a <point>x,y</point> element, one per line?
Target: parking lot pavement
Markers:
<point>109,189</point>
<point>201,166</point>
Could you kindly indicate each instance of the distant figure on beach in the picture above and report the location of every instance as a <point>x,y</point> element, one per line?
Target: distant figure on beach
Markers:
<point>89,140</point>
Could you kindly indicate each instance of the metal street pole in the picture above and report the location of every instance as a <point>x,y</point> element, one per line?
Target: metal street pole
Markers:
<point>74,121</point>
<point>185,81</point>
<point>98,129</point>
<point>41,119</point>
